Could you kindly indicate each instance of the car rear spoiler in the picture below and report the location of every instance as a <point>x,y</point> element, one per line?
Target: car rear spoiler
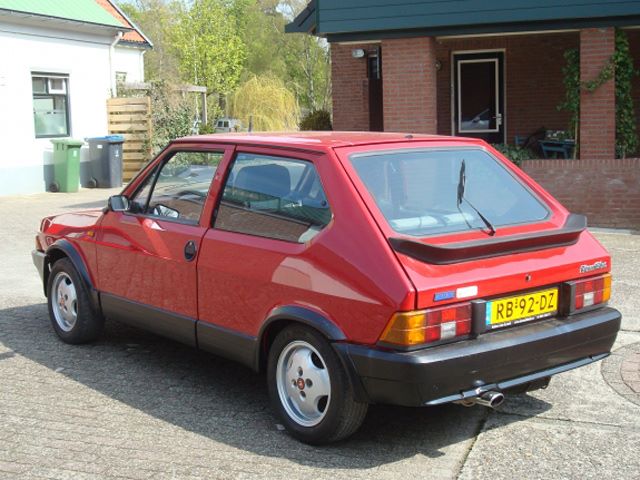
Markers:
<point>566,235</point>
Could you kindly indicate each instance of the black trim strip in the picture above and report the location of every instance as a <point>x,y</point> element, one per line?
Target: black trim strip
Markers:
<point>162,322</point>
<point>228,343</point>
<point>568,234</point>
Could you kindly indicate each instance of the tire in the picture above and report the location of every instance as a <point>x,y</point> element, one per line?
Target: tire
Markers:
<point>316,406</point>
<point>72,315</point>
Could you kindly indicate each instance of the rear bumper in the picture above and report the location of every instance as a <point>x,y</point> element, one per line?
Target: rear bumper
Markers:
<point>494,361</point>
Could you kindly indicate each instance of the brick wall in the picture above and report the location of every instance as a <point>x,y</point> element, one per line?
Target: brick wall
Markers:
<point>350,88</point>
<point>409,85</point>
<point>607,191</point>
<point>534,79</point>
<point>597,108</point>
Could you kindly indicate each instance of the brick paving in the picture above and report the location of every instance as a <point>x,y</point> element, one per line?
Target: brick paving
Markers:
<point>136,406</point>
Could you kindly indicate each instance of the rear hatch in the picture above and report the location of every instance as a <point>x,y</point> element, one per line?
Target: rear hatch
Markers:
<point>466,224</point>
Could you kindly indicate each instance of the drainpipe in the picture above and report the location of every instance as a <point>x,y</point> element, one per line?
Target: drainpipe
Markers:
<point>112,46</point>
<point>142,64</point>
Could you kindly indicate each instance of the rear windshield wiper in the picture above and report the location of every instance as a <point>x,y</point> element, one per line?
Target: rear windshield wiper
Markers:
<point>461,184</point>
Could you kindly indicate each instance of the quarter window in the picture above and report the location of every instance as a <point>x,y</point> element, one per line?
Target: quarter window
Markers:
<point>273,197</point>
<point>179,190</point>
<point>50,105</point>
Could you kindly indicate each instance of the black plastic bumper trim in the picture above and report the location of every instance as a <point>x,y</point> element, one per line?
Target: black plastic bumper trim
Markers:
<point>517,381</point>
<point>498,359</point>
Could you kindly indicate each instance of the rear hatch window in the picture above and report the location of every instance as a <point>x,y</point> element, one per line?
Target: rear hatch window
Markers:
<point>423,192</point>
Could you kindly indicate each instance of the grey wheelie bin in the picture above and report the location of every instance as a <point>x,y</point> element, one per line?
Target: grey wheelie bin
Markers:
<point>105,156</point>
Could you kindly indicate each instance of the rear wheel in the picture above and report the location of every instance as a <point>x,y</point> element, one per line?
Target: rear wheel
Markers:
<point>309,388</point>
<point>72,315</point>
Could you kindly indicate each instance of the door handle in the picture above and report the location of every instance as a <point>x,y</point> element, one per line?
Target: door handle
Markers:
<point>190,250</point>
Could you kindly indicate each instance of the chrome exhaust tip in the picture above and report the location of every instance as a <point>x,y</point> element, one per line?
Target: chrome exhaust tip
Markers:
<point>487,399</point>
<point>490,399</point>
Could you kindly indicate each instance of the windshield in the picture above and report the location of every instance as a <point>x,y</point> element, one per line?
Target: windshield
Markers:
<point>417,190</point>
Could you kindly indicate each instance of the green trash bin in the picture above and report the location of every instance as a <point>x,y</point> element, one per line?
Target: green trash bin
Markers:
<point>66,165</point>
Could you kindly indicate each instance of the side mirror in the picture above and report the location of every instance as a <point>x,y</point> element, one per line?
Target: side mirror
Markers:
<point>118,203</point>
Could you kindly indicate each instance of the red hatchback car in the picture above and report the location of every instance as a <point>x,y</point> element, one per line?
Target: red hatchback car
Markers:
<point>354,268</point>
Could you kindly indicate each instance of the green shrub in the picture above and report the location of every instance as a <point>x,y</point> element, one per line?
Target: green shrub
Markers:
<point>316,120</point>
<point>514,153</point>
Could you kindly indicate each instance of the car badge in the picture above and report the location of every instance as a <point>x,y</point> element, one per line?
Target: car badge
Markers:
<point>438,297</point>
<point>595,266</point>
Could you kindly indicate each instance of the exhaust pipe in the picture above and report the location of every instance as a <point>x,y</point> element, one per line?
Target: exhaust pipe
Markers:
<point>487,399</point>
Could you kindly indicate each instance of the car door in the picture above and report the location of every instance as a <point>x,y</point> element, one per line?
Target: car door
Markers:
<point>146,256</point>
<point>271,209</point>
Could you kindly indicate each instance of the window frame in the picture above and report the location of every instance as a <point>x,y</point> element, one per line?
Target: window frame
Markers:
<point>66,96</point>
<point>158,165</point>
<point>282,153</point>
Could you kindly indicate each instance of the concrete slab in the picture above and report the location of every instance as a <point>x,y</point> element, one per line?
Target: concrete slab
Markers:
<point>514,447</point>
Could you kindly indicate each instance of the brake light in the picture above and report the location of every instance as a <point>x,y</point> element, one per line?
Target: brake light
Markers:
<point>426,326</point>
<point>591,291</point>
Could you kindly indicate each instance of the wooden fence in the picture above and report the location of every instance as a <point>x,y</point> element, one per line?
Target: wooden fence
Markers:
<point>131,118</point>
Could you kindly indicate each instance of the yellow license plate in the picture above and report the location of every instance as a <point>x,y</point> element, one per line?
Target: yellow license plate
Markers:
<point>521,308</point>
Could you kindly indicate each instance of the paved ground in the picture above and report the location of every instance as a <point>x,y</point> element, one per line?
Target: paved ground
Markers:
<point>136,406</point>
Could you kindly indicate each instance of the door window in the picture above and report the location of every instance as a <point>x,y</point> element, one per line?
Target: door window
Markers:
<point>479,95</point>
<point>273,197</point>
<point>179,189</point>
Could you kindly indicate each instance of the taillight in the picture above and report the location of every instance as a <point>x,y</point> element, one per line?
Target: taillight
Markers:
<point>589,292</point>
<point>408,329</point>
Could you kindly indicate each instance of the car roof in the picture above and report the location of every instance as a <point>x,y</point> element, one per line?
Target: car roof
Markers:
<point>320,140</point>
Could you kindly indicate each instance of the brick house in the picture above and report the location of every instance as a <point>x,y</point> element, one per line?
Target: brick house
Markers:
<point>476,68</point>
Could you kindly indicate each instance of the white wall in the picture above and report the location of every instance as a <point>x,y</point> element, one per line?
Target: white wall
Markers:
<point>131,61</point>
<point>85,58</point>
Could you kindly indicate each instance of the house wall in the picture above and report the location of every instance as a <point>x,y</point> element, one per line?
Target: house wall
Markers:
<point>25,163</point>
<point>534,79</point>
<point>409,85</point>
<point>606,191</point>
<point>131,61</point>
<point>350,88</point>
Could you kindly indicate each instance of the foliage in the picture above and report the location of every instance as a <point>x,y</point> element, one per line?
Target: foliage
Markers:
<point>316,120</point>
<point>619,64</point>
<point>514,153</point>
<point>571,103</point>
<point>301,61</point>
<point>171,115</point>
<point>626,131</point>
<point>223,43</point>
<point>267,102</point>
<point>211,50</point>
<point>158,19</point>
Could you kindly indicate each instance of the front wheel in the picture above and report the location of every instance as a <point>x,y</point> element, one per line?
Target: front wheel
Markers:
<point>72,315</point>
<point>309,388</point>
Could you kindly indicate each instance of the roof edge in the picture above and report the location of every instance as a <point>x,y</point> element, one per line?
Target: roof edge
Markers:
<point>11,11</point>
<point>135,27</point>
<point>305,21</point>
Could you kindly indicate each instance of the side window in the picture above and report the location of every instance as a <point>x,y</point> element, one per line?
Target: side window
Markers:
<point>273,197</point>
<point>179,189</point>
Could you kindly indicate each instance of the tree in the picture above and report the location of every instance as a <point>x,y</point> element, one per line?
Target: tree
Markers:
<point>266,102</point>
<point>158,20</point>
<point>211,49</point>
